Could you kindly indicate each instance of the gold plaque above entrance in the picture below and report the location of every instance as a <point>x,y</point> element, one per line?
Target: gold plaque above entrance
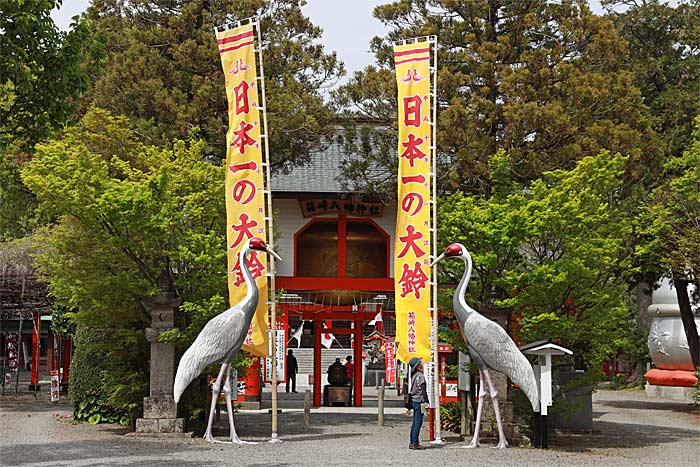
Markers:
<point>315,207</point>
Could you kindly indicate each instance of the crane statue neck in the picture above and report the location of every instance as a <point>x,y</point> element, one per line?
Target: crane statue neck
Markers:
<point>461,309</point>
<point>251,296</point>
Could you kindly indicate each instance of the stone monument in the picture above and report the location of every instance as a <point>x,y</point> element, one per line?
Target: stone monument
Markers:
<point>159,408</point>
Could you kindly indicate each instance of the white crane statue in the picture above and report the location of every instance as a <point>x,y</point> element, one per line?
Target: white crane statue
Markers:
<point>219,341</point>
<point>490,347</point>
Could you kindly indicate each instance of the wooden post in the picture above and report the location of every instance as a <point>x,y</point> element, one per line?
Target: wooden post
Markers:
<point>307,408</point>
<point>380,405</point>
<point>464,426</point>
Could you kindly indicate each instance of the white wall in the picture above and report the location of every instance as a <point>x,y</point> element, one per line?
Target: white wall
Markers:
<point>289,221</point>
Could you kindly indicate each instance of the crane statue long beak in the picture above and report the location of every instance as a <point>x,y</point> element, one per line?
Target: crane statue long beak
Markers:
<point>277,257</point>
<point>438,259</point>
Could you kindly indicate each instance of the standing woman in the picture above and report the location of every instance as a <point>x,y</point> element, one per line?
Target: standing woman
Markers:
<point>419,396</point>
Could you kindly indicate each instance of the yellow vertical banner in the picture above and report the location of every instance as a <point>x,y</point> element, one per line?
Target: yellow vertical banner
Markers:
<point>245,200</point>
<point>412,244</point>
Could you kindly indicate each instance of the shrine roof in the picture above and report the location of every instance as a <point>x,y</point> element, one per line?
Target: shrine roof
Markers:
<point>320,175</point>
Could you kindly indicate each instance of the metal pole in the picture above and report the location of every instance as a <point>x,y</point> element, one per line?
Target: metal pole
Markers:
<point>433,157</point>
<point>270,238</point>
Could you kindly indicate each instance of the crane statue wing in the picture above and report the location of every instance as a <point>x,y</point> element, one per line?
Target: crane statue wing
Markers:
<point>498,351</point>
<point>215,342</point>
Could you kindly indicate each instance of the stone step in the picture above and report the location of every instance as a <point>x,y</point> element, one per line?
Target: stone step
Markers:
<point>305,358</point>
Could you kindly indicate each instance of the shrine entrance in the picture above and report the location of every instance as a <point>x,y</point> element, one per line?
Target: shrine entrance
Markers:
<point>320,314</point>
<point>341,265</point>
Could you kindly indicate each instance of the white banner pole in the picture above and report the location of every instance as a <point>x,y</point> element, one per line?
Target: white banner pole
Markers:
<point>270,235</point>
<point>433,180</point>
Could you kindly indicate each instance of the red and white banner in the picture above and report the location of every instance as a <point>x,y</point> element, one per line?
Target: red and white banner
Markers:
<point>390,359</point>
<point>54,385</point>
<point>12,348</point>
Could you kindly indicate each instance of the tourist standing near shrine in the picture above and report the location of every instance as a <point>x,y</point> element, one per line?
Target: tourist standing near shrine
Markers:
<point>292,369</point>
<point>419,396</point>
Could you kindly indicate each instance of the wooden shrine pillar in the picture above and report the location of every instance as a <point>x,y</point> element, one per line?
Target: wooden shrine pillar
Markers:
<point>36,359</point>
<point>318,390</point>
<point>357,356</point>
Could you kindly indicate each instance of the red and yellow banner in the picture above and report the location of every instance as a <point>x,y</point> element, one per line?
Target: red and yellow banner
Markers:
<point>245,200</point>
<point>412,244</point>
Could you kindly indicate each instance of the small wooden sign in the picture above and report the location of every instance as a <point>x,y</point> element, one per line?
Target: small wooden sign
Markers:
<point>315,207</point>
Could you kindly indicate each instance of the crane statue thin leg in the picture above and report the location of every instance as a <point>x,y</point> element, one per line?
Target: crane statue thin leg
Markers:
<point>215,388</point>
<point>480,405</point>
<point>229,410</point>
<point>502,443</point>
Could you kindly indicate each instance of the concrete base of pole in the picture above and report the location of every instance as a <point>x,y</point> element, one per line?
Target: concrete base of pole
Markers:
<point>274,439</point>
<point>438,441</point>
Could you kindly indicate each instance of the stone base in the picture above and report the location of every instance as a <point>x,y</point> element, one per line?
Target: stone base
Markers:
<point>160,435</point>
<point>160,425</point>
<point>669,392</point>
<point>159,407</point>
<point>247,405</point>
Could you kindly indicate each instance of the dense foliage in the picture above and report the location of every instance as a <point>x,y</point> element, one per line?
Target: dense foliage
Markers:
<point>40,81</point>
<point>163,71</point>
<point>543,80</point>
<point>131,221</point>
<point>553,254</point>
<point>670,231</point>
<point>89,370</point>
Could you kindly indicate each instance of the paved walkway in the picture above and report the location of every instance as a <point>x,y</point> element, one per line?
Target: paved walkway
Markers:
<point>629,430</point>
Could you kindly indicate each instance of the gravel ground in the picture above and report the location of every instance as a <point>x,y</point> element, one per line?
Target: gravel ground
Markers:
<point>629,429</point>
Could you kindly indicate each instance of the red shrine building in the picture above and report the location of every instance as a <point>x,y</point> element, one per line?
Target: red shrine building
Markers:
<point>337,273</point>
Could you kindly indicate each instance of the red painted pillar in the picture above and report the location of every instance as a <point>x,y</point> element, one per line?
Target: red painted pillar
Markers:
<point>66,359</point>
<point>318,329</point>
<point>36,336</point>
<point>357,351</point>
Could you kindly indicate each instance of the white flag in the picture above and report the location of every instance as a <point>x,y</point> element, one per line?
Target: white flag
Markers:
<point>327,338</point>
<point>377,319</point>
<point>297,335</point>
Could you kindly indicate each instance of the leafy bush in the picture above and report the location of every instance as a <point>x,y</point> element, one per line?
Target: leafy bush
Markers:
<point>86,378</point>
<point>619,381</point>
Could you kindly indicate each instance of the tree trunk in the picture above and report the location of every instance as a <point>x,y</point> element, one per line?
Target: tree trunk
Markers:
<point>691,331</point>
<point>643,299</point>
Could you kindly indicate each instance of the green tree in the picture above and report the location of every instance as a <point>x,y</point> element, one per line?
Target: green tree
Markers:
<point>542,80</point>
<point>664,59</point>
<point>164,72</point>
<point>670,228</point>
<point>554,253</point>
<point>40,81</point>
<point>130,219</point>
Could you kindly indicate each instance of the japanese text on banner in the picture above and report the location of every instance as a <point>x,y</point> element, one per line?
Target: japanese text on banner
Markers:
<point>245,202</point>
<point>412,244</point>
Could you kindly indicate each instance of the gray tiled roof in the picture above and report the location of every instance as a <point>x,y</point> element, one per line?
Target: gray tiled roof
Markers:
<point>320,175</point>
